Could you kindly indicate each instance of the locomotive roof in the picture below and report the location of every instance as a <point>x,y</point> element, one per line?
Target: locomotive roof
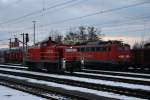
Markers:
<point>49,40</point>
<point>105,42</point>
<point>115,42</point>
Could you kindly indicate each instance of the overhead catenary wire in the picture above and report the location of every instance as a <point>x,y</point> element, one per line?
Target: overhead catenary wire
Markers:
<point>44,13</point>
<point>36,12</point>
<point>91,14</point>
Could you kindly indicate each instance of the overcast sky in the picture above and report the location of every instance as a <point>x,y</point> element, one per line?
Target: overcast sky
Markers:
<point>127,20</point>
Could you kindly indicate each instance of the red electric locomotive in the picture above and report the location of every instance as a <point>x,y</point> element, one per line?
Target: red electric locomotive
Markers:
<point>101,55</point>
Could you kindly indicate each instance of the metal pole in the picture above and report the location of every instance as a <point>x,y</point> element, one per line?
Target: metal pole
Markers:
<point>10,44</point>
<point>23,42</point>
<point>34,32</point>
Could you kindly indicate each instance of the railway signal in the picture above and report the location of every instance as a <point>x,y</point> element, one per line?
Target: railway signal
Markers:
<point>27,37</point>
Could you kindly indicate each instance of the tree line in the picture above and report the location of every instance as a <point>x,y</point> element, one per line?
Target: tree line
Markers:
<point>79,36</point>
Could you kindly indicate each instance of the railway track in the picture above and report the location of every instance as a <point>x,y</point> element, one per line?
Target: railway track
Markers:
<point>14,67</point>
<point>119,78</point>
<point>48,92</point>
<point>30,88</point>
<point>101,87</point>
<point>115,73</point>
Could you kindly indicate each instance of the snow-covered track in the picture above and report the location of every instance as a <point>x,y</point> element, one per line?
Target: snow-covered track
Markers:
<point>116,73</point>
<point>83,82</point>
<point>44,91</point>
<point>19,67</point>
<point>125,79</point>
<point>118,78</point>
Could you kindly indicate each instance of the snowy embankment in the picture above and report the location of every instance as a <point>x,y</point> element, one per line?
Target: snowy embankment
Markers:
<point>74,88</point>
<point>11,94</point>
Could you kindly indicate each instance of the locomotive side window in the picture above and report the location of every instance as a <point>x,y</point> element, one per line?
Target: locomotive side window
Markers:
<point>104,49</point>
<point>98,48</point>
<point>82,49</point>
<point>87,49</point>
<point>92,49</point>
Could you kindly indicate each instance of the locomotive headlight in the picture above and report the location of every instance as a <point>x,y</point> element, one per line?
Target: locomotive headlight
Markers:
<point>82,61</point>
<point>64,60</point>
<point>121,56</point>
<point>127,56</point>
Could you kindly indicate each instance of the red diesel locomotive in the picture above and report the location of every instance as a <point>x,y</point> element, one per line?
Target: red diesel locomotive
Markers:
<point>50,56</point>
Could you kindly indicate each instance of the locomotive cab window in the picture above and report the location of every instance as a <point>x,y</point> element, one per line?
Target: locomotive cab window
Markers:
<point>123,48</point>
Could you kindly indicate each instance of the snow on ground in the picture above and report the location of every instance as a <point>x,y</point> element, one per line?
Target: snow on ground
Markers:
<point>130,73</point>
<point>114,76</point>
<point>11,94</point>
<point>13,66</point>
<point>88,80</point>
<point>74,88</point>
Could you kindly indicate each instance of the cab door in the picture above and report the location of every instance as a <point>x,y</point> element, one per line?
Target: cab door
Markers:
<point>60,56</point>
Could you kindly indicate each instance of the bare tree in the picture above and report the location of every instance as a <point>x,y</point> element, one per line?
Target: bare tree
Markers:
<point>93,34</point>
<point>71,38</point>
<point>56,36</point>
<point>58,39</point>
<point>82,34</point>
<point>139,45</point>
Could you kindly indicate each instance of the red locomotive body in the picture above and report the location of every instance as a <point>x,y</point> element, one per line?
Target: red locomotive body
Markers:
<point>50,56</point>
<point>101,55</point>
